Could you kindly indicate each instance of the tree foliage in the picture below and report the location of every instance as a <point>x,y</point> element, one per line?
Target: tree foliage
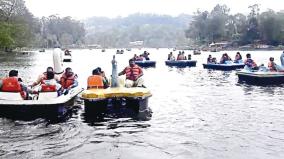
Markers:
<point>220,25</point>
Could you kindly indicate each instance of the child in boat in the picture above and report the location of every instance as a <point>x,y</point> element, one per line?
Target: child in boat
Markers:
<point>272,65</point>
<point>249,63</point>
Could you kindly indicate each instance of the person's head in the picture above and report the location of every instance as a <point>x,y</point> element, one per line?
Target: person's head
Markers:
<point>131,63</point>
<point>210,56</point>
<point>49,75</point>
<point>68,72</point>
<point>182,52</point>
<point>13,73</point>
<point>238,53</point>
<point>271,59</point>
<point>171,53</point>
<point>248,55</point>
<point>49,69</point>
<point>96,72</point>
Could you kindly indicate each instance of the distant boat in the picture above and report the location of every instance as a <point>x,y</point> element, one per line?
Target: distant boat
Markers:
<point>103,50</point>
<point>181,63</point>
<point>42,50</point>
<point>67,56</point>
<point>196,52</point>
<point>146,63</point>
<point>119,51</point>
<point>224,67</point>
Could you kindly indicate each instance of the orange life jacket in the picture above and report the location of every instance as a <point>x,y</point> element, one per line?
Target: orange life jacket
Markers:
<point>11,84</point>
<point>132,72</point>
<point>48,88</point>
<point>95,81</point>
<point>67,81</point>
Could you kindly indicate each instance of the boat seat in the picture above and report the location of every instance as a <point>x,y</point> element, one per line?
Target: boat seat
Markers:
<point>10,96</point>
<point>47,95</point>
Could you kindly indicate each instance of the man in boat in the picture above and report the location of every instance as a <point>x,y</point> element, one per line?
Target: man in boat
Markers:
<point>171,57</point>
<point>50,84</point>
<point>68,80</point>
<point>133,74</point>
<point>238,58</point>
<point>250,63</point>
<point>272,65</point>
<point>209,59</point>
<point>14,84</point>
<point>97,80</point>
<point>43,77</point>
<point>67,52</point>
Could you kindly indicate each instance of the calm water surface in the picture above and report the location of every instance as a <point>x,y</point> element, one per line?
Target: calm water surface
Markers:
<point>197,113</point>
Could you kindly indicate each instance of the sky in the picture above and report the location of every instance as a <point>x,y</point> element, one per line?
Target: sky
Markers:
<point>81,9</point>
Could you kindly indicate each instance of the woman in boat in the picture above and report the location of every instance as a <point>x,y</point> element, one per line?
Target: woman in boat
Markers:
<point>50,84</point>
<point>250,63</point>
<point>133,74</point>
<point>68,80</point>
<point>14,84</point>
<point>272,65</point>
<point>238,58</point>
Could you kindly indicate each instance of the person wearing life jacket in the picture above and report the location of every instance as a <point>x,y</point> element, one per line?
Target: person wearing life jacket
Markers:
<point>272,65</point>
<point>250,63</point>
<point>50,84</point>
<point>96,81</point>
<point>133,74</point>
<point>69,79</point>
<point>14,84</point>
<point>43,77</point>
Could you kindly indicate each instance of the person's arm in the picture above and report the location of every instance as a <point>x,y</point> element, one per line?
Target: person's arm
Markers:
<point>1,83</point>
<point>37,81</point>
<point>121,73</point>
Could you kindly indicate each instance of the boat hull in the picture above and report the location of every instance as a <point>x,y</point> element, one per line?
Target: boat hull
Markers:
<point>121,107</point>
<point>261,78</point>
<point>146,63</point>
<point>223,67</point>
<point>181,63</point>
<point>32,109</point>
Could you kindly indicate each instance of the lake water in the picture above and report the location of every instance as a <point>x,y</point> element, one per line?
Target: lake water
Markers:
<point>197,113</point>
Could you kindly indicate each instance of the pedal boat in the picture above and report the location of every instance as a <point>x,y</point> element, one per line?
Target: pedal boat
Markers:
<point>146,63</point>
<point>261,78</point>
<point>224,67</point>
<point>45,104</point>
<point>181,63</point>
<point>118,100</point>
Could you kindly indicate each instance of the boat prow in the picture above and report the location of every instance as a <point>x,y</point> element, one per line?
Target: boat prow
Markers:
<point>261,78</point>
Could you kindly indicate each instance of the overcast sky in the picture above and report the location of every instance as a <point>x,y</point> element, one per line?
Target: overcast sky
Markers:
<point>81,9</point>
